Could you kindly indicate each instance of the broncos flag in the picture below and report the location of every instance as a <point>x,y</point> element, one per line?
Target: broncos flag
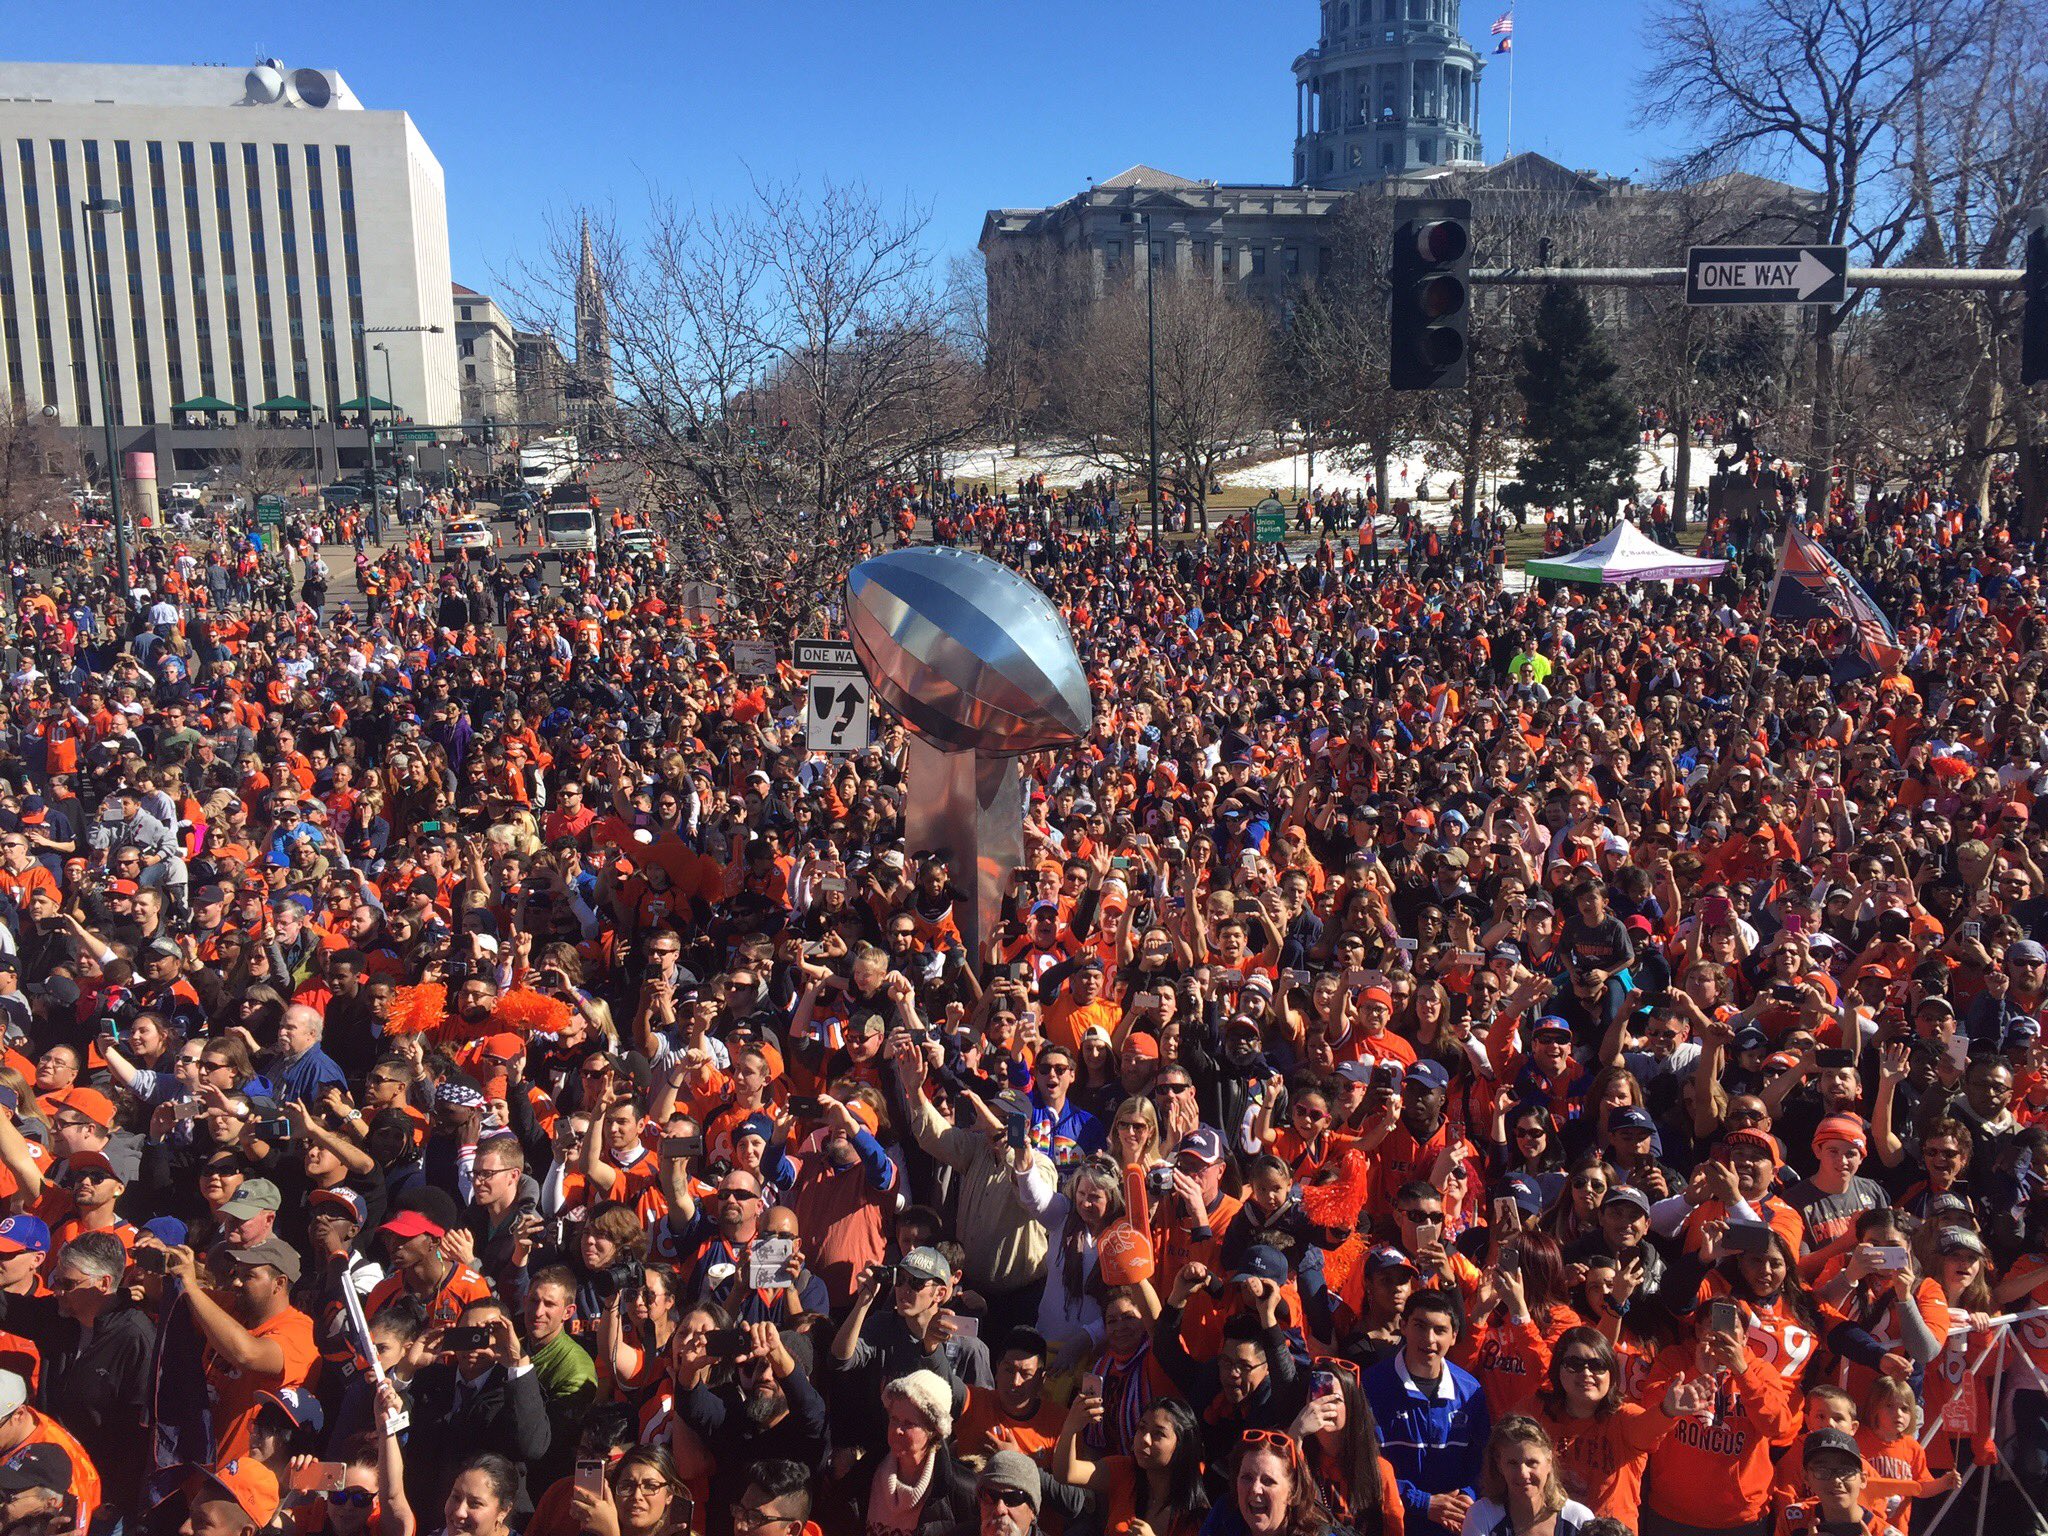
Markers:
<point>1813,584</point>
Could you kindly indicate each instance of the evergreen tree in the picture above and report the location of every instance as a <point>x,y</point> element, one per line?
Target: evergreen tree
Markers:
<point>1581,429</point>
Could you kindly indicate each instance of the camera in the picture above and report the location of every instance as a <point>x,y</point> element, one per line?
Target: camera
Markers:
<point>618,1280</point>
<point>1159,1180</point>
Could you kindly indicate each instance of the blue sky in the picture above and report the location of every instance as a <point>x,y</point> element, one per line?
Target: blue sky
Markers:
<point>962,106</point>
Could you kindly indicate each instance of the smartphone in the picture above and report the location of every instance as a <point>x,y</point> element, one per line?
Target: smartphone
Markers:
<point>1748,1237</point>
<point>1795,922</point>
<point>1506,1214</point>
<point>458,1339</point>
<point>805,1105</point>
<point>1120,863</point>
<point>319,1476</point>
<point>1891,1258</point>
<point>1019,1129</point>
<point>590,1477</point>
<point>1716,909</point>
<point>1721,1316</point>
<point>1970,930</point>
<point>1091,1386</point>
<point>1469,957</point>
<point>1322,1384</point>
<point>1958,1051</point>
<point>149,1261</point>
<point>728,1343</point>
<point>682,1146</point>
<point>1407,945</point>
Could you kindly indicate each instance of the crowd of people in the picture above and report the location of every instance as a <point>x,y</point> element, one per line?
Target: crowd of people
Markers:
<point>1455,1059</point>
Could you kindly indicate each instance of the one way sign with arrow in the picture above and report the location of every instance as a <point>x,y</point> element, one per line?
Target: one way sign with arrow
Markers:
<point>1767,274</point>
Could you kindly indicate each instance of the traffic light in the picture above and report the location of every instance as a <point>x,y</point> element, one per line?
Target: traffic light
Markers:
<point>1430,303</point>
<point>2034,301</point>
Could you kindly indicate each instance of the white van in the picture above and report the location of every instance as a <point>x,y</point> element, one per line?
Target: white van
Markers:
<point>572,530</point>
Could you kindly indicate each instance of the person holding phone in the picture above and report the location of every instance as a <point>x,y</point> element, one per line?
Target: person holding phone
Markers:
<point>1713,1472</point>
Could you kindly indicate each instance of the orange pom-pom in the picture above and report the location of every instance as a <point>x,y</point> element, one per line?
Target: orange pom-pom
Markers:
<point>417,1010</point>
<point>1336,1201</point>
<point>529,1013</point>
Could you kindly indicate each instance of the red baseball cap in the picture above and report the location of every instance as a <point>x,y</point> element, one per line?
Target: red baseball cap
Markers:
<point>411,1224</point>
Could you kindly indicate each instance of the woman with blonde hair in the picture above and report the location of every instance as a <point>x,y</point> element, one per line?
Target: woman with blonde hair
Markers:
<point>1134,1134</point>
<point>1519,1490</point>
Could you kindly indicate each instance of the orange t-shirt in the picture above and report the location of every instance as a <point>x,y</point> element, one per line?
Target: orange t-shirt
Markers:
<point>1600,1460</point>
<point>233,1392</point>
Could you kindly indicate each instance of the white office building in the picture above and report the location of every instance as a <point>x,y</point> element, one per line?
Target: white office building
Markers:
<point>270,221</point>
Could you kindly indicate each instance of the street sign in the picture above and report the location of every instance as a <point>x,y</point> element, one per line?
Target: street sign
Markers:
<point>826,656</point>
<point>836,713</point>
<point>270,509</point>
<point>411,435</point>
<point>753,658</point>
<point>1767,274</point>
<point>1269,521</point>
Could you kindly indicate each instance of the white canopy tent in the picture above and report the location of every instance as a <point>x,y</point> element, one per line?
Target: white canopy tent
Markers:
<point>1624,554</point>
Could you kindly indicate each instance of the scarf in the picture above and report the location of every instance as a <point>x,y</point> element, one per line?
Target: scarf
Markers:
<point>893,1503</point>
<point>1126,1394</point>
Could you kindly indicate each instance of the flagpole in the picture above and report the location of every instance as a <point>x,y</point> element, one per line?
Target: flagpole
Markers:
<point>1509,153</point>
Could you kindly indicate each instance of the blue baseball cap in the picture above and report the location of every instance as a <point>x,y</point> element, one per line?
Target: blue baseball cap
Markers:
<point>1427,1074</point>
<point>167,1230</point>
<point>1630,1117</point>
<point>24,1234</point>
<point>1527,1193</point>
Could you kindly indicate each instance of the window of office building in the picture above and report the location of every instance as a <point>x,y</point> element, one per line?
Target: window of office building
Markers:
<point>352,272</point>
<point>166,275</point>
<point>130,221</point>
<point>288,249</point>
<point>195,263</point>
<point>10,311</point>
<point>38,273</point>
<point>323,286</point>
<point>75,297</point>
<point>230,277</point>
<point>259,271</point>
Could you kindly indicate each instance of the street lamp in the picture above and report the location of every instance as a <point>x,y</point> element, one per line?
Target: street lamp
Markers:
<point>92,207</point>
<point>370,412</point>
<point>1144,221</point>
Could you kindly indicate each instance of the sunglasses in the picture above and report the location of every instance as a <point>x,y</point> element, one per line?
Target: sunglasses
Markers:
<point>352,1498</point>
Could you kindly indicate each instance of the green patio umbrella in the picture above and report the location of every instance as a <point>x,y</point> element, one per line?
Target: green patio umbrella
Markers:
<point>205,403</point>
<point>366,403</point>
<point>286,403</point>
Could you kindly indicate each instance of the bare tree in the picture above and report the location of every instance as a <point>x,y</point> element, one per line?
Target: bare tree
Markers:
<point>35,460</point>
<point>1017,312</point>
<point>770,362</point>
<point>1821,91</point>
<point>254,461</point>
<point>1214,370</point>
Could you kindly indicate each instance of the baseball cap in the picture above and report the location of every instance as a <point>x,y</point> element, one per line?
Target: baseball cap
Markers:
<point>254,1198</point>
<point>161,949</point>
<point>2020,1034</point>
<point>249,1483</point>
<point>298,1405</point>
<point>1381,1260</point>
<point>36,1466</point>
<point>1551,1024</point>
<point>1427,1074</point>
<point>411,1224</point>
<point>1527,1193</point>
<point>926,1264</point>
<point>207,895</point>
<point>344,1199</point>
<point>89,1102</point>
<point>1139,1044</point>
<point>1831,1442</point>
<point>1630,1117</point>
<point>13,1392</point>
<point>1013,1472</point>
<point>24,1234</point>
<point>1261,1261</point>
<point>93,1162</point>
<point>1203,1144</point>
<point>274,1251</point>
<point>167,1230</point>
<point>1749,1038</point>
<point>1627,1194</point>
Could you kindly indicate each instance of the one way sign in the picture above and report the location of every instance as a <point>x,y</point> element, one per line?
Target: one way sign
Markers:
<point>1767,274</point>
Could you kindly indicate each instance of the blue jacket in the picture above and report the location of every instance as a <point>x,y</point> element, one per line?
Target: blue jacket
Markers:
<point>1435,1442</point>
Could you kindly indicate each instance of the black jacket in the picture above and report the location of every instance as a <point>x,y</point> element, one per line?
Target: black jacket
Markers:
<point>453,1422</point>
<point>96,1388</point>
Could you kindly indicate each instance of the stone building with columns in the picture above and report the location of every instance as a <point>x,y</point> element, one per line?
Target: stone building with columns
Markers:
<point>1390,87</point>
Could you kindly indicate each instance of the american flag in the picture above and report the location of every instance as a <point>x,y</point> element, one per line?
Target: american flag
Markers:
<point>1505,27</point>
<point>1813,584</point>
